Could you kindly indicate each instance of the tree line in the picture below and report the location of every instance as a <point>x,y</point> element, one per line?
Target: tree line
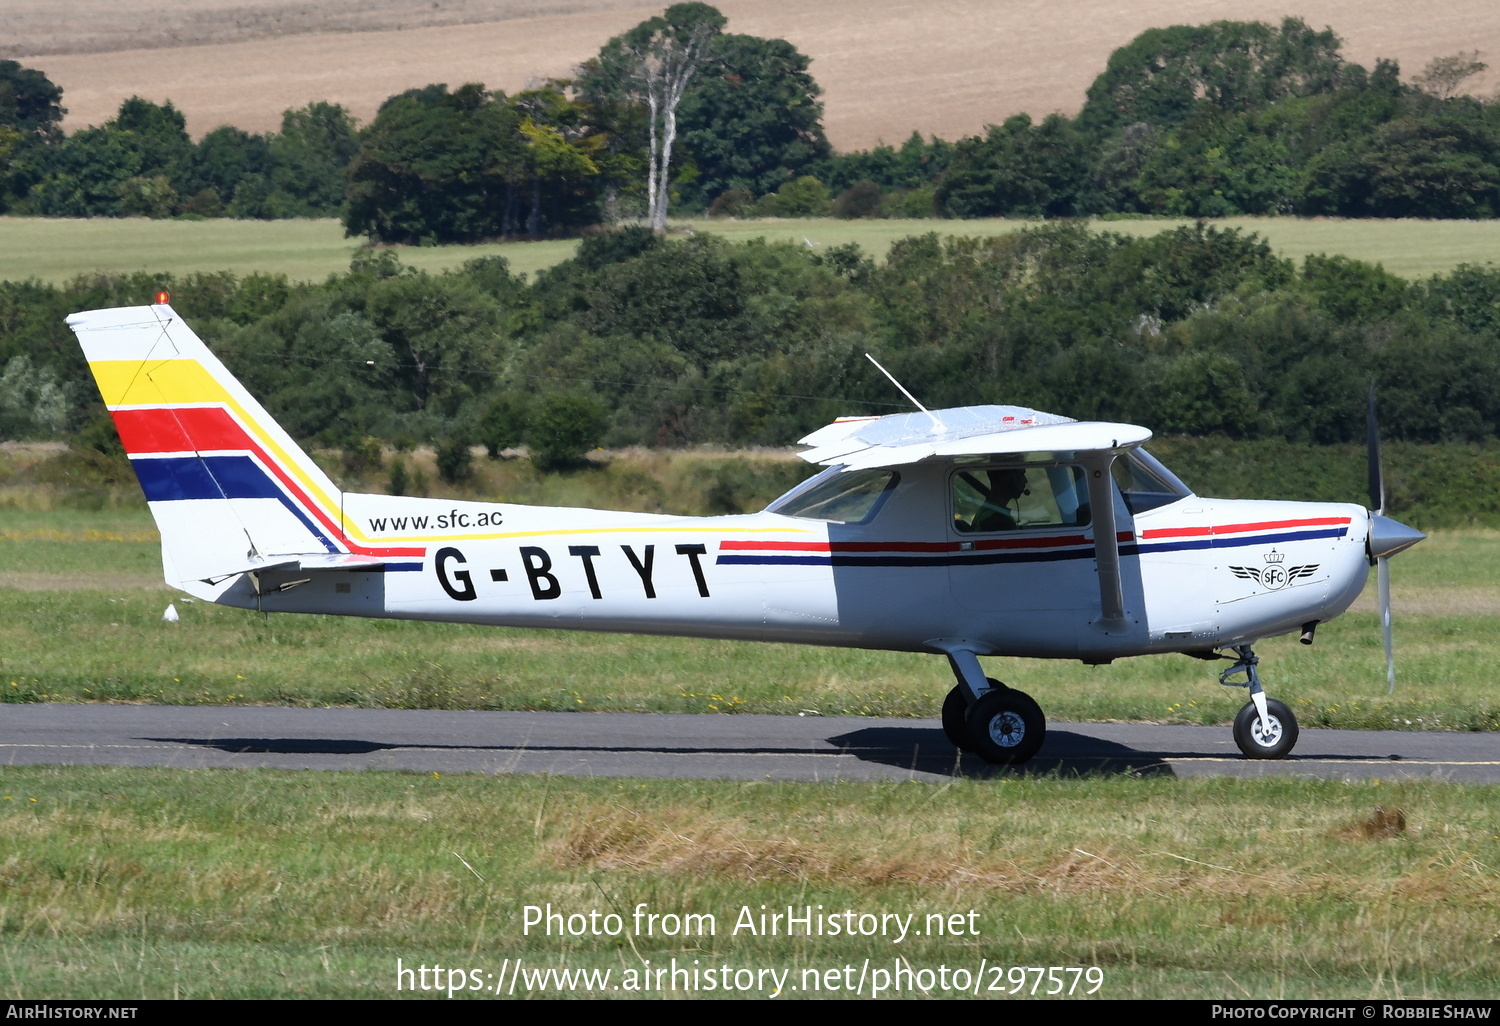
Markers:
<point>1200,121</point>
<point>644,340</point>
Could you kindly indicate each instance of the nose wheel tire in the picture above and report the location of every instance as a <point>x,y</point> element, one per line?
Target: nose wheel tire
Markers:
<point>1272,740</point>
<point>1006,727</point>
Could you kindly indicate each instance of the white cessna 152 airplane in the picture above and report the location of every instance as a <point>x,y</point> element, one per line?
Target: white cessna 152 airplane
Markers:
<point>980,531</point>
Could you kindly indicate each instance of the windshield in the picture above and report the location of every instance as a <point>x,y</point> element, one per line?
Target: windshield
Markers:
<point>850,498</point>
<point>1145,483</point>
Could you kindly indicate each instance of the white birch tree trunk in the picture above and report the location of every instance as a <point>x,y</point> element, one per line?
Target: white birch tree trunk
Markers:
<point>664,67</point>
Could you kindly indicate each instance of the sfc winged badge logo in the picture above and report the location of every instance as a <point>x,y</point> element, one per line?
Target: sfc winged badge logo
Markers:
<point>1274,576</point>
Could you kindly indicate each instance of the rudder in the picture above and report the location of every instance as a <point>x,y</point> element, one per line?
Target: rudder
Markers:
<point>229,489</point>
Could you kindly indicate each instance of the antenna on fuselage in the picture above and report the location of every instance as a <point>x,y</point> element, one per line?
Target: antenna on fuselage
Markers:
<point>935,421</point>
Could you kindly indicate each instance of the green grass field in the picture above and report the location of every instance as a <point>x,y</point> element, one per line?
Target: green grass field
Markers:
<point>55,250</point>
<point>119,883</point>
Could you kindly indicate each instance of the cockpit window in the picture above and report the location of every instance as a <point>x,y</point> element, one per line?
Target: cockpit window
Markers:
<point>850,498</point>
<point>1014,498</point>
<point>1145,483</point>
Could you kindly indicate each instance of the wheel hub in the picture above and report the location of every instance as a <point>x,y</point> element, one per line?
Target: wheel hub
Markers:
<point>1267,732</point>
<point>1007,730</point>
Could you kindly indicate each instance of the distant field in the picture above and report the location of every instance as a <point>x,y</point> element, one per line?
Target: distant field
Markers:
<point>305,250</point>
<point>57,250</point>
<point>1414,249</point>
<point>887,67</point>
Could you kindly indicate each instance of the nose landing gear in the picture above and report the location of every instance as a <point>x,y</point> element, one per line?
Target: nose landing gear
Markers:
<point>1264,728</point>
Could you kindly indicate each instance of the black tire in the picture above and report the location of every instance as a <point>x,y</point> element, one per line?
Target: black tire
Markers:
<point>1276,743</point>
<point>956,715</point>
<point>1006,727</point>
<point>956,719</point>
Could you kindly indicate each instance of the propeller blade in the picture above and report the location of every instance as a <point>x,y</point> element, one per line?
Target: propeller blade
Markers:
<point>1372,445</point>
<point>1383,578</point>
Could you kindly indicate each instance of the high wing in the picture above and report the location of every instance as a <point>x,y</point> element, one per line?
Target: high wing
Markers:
<point>859,443</point>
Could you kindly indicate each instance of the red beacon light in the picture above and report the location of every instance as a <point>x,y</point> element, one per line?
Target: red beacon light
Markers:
<point>163,298</point>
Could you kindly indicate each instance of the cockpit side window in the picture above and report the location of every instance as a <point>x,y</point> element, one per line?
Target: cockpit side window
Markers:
<point>991,499</point>
<point>852,497</point>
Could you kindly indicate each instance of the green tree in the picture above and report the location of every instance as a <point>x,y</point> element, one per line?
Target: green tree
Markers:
<point>658,58</point>
<point>1443,75</point>
<point>1162,75</point>
<point>444,336</point>
<point>455,458</point>
<point>1018,169</point>
<point>435,166</point>
<point>87,175</point>
<point>688,295</point>
<point>503,423</point>
<point>914,165</point>
<point>310,156</point>
<point>1433,163</point>
<point>753,119</point>
<point>564,427</point>
<point>560,156</point>
<point>1206,394</point>
<point>1218,165</point>
<point>30,103</point>
<point>801,197</point>
<point>222,160</point>
<point>862,199</point>
<point>31,114</point>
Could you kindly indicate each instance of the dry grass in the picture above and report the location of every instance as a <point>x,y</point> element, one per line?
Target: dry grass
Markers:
<point>1380,826</point>
<point>125,882</point>
<point>1091,850</point>
<point>890,68</point>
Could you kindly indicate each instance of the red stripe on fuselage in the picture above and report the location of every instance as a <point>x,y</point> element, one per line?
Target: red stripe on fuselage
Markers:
<point>1267,525</point>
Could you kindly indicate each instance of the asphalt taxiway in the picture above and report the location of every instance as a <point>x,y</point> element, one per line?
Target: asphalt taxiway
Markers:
<point>730,747</point>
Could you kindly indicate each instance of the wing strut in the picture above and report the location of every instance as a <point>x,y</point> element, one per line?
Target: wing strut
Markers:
<point>1106,538</point>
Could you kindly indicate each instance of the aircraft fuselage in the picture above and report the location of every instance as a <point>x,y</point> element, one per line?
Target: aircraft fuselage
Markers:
<point>1198,574</point>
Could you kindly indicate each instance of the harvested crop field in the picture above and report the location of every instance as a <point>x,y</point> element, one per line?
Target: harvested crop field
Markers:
<point>886,66</point>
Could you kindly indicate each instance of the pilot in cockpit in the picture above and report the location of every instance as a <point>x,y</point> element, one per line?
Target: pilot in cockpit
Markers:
<point>996,512</point>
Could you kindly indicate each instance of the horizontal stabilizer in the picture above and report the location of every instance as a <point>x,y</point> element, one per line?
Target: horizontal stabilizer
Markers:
<point>301,562</point>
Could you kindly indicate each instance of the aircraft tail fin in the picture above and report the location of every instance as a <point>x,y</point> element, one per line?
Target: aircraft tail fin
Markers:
<point>229,489</point>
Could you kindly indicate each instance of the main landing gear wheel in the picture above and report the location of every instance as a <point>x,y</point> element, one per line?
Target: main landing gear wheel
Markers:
<point>956,716</point>
<point>1006,727</point>
<point>1272,740</point>
<point>956,719</point>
